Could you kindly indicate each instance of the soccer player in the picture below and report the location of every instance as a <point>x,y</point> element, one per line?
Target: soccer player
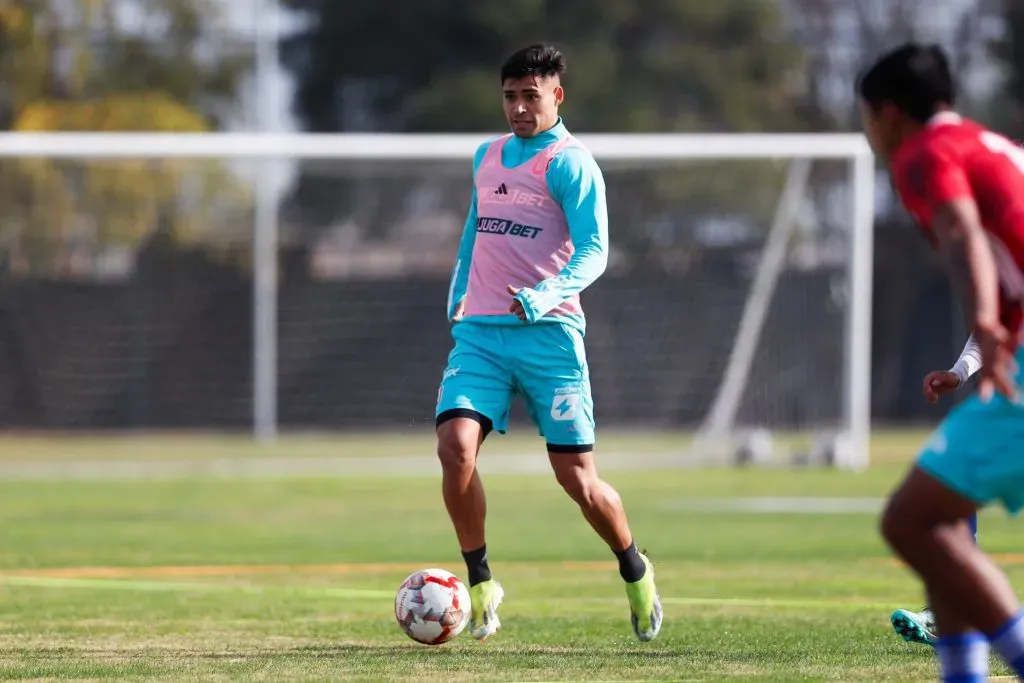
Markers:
<point>919,627</point>
<point>965,186</point>
<point>536,236</point>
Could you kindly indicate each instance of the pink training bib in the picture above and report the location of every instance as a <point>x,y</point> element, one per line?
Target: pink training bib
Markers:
<point>522,234</point>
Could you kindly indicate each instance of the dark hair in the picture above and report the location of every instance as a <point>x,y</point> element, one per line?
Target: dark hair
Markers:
<point>536,60</point>
<point>915,78</point>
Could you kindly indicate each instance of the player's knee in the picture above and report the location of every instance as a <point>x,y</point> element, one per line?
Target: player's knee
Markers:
<point>895,526</point>
<point>457,447</point>
<point>575,485</point>
<point>904,529</point>
<point>889,528</point>
<point>583,486</point>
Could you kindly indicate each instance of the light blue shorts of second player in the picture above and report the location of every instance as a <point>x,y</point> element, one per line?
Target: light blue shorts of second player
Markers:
<point>978,450</point>
<point>545,363</point>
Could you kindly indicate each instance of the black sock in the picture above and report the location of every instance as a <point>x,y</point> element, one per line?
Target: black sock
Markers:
<point>631,566</point>
<point>476,564</point>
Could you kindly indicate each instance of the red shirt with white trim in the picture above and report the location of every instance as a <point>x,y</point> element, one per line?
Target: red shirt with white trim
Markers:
<point>954,158</point>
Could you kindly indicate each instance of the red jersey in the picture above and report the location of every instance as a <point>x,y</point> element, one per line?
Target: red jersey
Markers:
<point>954,158</point>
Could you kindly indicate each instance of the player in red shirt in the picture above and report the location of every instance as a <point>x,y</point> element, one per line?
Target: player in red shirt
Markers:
<point>965,187</point>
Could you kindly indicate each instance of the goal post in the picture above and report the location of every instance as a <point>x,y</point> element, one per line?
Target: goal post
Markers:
<point>846,444</point>
<point>638,170</point>
<point>722,417</point>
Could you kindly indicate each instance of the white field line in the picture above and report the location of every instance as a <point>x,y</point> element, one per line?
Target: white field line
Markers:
<point>424,464</point>
<point>793,505</point>
<point>357,594</point>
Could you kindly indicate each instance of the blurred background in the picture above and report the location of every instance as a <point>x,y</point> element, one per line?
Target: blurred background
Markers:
<point>146,535</point>
<point>126,287</point>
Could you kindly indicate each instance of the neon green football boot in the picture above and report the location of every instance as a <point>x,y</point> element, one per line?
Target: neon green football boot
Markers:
<point>645,604</point>
<point>484,599</point>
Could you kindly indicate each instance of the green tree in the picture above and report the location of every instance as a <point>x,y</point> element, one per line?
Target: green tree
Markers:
<point>652,65</point>
<point>1010,50</point>
<point>842,36</point>
<point>642,66</point>
<point>75,68</point>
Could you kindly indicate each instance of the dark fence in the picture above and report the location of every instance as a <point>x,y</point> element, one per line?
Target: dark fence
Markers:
<point>171,348</point>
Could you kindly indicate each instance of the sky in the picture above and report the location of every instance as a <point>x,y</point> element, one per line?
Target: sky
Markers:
<point>273,87</point>
<point>265,98</point>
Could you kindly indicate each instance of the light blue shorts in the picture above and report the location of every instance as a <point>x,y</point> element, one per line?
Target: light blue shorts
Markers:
<point>545,363</point>
<point>978,450</point>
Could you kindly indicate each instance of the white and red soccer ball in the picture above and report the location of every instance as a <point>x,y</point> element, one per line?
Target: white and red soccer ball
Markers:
<point>432,606</point>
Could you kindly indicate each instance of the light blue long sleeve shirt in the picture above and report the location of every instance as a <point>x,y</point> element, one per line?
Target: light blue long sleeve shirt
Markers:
<point>576,183</point>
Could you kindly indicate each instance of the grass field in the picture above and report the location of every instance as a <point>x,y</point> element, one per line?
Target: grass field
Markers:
<point>203,558</point>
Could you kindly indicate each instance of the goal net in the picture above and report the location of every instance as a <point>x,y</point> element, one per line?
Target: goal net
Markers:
<point>296,282</point>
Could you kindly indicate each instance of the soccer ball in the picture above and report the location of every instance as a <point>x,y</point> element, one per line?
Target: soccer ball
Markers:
<point>432,606</point>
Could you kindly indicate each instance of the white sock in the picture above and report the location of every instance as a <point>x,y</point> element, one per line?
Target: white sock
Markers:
<point>1008,641</point>
<point>963,658</point>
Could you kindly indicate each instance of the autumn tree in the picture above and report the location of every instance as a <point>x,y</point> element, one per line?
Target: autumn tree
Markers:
<point>77,65</point>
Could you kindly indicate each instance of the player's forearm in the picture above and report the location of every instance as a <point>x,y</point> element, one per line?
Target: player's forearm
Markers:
<point>969,361</point>
<point>587,264</point>
<point>972,266</point>
<point>983,291</point>
<point>460,270</point>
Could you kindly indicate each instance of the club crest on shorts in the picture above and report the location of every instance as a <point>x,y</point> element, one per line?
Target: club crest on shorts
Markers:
<point>565,404</point>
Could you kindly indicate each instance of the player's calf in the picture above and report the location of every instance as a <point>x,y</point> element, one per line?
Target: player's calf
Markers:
<point>458,442</point>
<point>598,501</point>
<point>924,523</point>
<point>919,627</point>
<point>459,437</point>
<point>602,508</point>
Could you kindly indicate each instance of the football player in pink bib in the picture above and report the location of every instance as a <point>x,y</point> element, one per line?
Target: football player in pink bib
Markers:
<point>536,236</point>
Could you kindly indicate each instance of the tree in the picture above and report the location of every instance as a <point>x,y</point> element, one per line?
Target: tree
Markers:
<point>644,66</point>
<point>1010,51</point>
<point>840,36</point>
<point>726,62</point>
<point>73,66</point>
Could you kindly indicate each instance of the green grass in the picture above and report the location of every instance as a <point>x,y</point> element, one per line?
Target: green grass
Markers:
<point>292,578</point>
<point>887,446</point>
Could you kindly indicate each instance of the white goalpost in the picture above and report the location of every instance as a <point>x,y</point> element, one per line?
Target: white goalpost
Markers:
<point>805,257</point>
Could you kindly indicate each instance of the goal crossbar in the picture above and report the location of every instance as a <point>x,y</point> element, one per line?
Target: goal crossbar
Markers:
<point>408,147</point>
